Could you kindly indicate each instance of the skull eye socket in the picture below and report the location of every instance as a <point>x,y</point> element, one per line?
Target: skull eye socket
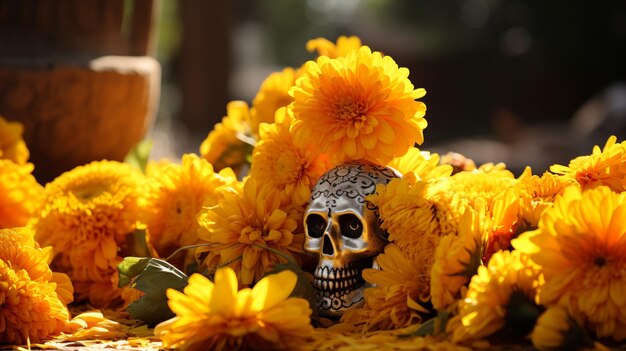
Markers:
<point>350,226</point>
<point>315,225</point>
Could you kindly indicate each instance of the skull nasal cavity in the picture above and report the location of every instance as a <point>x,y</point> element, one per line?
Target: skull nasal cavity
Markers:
<point>328,246</point>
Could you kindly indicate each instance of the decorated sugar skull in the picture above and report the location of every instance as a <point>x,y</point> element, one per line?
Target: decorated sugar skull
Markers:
<point>342,229</point>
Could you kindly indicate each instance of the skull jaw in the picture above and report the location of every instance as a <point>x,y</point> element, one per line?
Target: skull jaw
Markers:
<point>335,304</point>
<point>340,287</point>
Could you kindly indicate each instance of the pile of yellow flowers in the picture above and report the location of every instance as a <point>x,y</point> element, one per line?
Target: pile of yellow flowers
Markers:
<point>476,257</point>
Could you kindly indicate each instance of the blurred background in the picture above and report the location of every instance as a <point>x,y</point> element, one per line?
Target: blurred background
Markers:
<point>521,82</point>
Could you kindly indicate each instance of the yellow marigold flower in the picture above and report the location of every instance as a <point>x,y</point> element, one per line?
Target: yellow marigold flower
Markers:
<point>273,94</point>
<point>286,168</point>
<point>176,195</point>
<point>27,254</point>
<point>602,167</point>
<point>245,218</point>
<point>490,167</point>
<point>215,316</point>
<point>477,190</point>
<point>557,330</point>
<point>537,194</point>
<point>518,209</point>
<point>424,164</point>
<point>502,294</point>
<point>32,298</point>
<point>361,106</point>
<point>86,216</point>
<point>325,47</point>
<point>20,194</point>
<point>399,288</point>
<point>409,215</point>
<point>580,247</point>
<point>12,146</point>
<point>457,259</point>
<point>473,189</point>
<point>228,144</point>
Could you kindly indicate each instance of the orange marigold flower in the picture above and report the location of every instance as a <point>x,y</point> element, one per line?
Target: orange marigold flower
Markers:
<point>20,194</point>
<point>242,224</point>
<point>361,106</point>
<point>86,216</point>
<point>602,167</point>
<point>288,169</point>
<point>176,195</point>
<point>518,208</point>
<point>409,215</point>
<point>400,287</point>
<point>215,316</point>
<point>325,47</point>
<point>12,146</point>
<point>32,298</point>
<point>581,248</point>
<point>273,94</point>
<point>229,143</point>
<point>506,223</point>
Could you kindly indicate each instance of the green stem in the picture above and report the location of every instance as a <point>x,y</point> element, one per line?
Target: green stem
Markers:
<point>187,248</point>
<point>277,252</point>
<point>212,271</point>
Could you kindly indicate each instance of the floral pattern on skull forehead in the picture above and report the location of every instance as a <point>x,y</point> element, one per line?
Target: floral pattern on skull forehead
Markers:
<point>354,180</point>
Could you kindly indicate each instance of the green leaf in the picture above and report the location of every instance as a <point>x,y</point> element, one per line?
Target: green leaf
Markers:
<point>303,288</point>
<point>154,280</point>
<point>427,328</point>
<point>442,321</point>
<point>433,326</point>
<point>138,156</point>
<point>129,268</point>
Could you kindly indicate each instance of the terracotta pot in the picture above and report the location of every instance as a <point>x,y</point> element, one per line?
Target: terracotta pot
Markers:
<point>76,110</point>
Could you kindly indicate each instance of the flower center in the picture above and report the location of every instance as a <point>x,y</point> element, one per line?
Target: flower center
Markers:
<point>287,167</point>
<point>348,111</point>
<point>88,192</point>
<point>602,269</point>
<point>600,261</point>
<point>586,177</point>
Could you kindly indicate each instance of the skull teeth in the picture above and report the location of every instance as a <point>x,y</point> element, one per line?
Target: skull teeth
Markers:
<point>329,279</point>
<point>344,286</point>
<point>336,273</point>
